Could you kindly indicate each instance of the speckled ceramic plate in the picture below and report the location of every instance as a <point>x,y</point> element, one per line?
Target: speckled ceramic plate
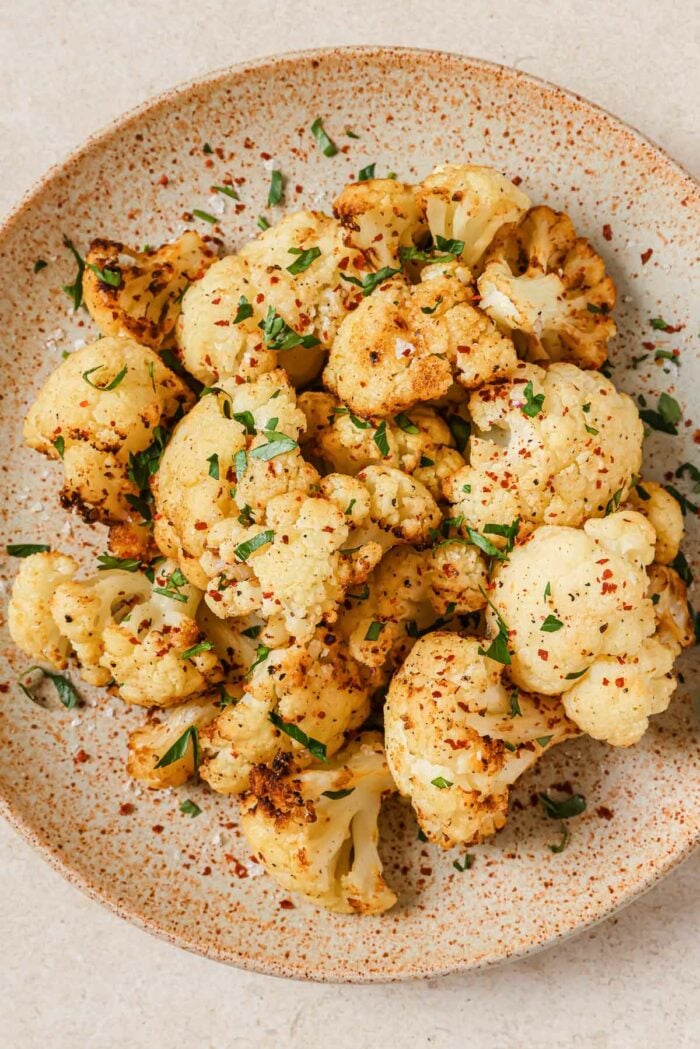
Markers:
<point>62,777</point>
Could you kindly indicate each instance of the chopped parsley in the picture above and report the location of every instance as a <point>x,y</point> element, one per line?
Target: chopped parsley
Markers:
<point>565,809</point>
<point>337,795</point>
<point>240,463</point>
<point>261,654</point>
<point>350,506</point>
<point>111,277</point>
<point>40,265</point>
<point>659,324</point>
<point>667,355</point>
<point>693,473</point>
<point>325,144</point>
<point>244,311</point>
<point>498,649</point>
<point>426,461</point>
<point>252,632</point>
<point>515,711</point>
<point>213,461</point>
<point>276,191</point>
<point>205,216</point>
<point>547,591</point>
<point>441,783</point>
<point>277,335</point>
<point>107,562</point>
<point>228,191</point>
<point>206,148</point>
<point>247,422</point>
<point>75,290</point>
<point>203,646</point>
<point>174,582</point>
<point>277,444</point>
<point>533,402</point>
<point>371,280</point>
<point>613,504</point>
<point>431,309</point>
<point>405,423</point>
<point>26,549</point>
<point>179,748</point>
<point>262,223</point>
<point>366,173</point>
<point>460,430</point>
<point>244,550</point>
<point>60,445</point>
<point>304,259</point>
<point>592,308</point>
<point>314,746</point>
<point>543,740</point>
<point>111,385</point>
<point>466,864</point>
<point>190,808</point>
<point>575,674</point>
<point>450,249</point>
<point>374,630</point>
<point>685,504</point>
<point>380,438</point>
<point>65,689</point>
<point>560,845</point>
<point>551,625</point>
<point>667,414</point>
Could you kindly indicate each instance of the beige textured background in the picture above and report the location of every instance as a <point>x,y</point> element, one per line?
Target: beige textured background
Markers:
<point>72,975</point>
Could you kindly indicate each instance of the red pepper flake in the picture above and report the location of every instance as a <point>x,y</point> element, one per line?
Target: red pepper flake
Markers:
<point>222,324</point>
<point>84,404</point>
<point>607,231</point>
<point>81,757</point>
<point>516,180</point>
<point>207,871</point>
<point>157,828</point>
<point>620,682</point>
<point>286,905</point>
<point>604,812</point>
<point>238,869</point>
<point>646,255</point>
<point>200,526</point>
<point>126,808</point>
<point>163,180</point>
<point>543,654</point>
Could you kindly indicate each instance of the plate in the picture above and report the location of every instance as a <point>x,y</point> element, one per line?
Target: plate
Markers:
<point>62,778</point>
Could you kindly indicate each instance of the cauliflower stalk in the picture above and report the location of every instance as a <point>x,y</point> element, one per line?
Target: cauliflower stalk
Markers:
<point>573,607</point>
<point>552,447</point>
<point>316,830</point>
<point>104,414</point>
<point>549,287</point>
<point>457,737</point>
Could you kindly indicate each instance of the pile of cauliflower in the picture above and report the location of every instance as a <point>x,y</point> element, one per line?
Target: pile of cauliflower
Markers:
<point>363,474</point>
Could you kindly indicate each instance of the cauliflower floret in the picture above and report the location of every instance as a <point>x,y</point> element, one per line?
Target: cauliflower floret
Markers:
<point>124,627</point>
<point>257,287</point>
<point>138,293</point>
<point>150,743</point>
<point>322,846</point>
<point>552,447</point>
<point>574,608</point>
<point>548,286</point>
<point>404,342</point>
<point>30,620</point>
<point>336,437</point>
<point>381,217</point>
<point>100,412</point>
<point>665,515</point>
<point>457,738</point>
<point>400,509</point>
<point>404,596</point>
<point>294,567</point>
<point>668,593</point>
<point>217,331</point>
<point>315,689</point>
<point>217,464</point>
<point>469,203</point>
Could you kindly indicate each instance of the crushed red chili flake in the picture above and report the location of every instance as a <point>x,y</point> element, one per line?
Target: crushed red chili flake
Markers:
<point>81,757</point>
<point>516,180</point>
<point>620,682</point>
<point>604,812</point>
<point>163,180</point>
<point>286,905</point>
<point>543,654</point>
<point>157,828</point>
<point>646,255</point>
<point>238,869</point>
<point>607,231</point>
<point>207,871</point>
<point>126,808</point>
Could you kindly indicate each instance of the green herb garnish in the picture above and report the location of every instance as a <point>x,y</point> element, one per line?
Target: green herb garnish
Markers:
<point>179,748</point>
<point>26,549</point>
<point>244,550</point>
<point>314,746</point>
<point>276,191</point>
<point>304,260</point>
<point>325,144</point>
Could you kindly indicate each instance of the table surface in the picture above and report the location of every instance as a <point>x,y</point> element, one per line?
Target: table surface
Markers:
<point>76,977</point>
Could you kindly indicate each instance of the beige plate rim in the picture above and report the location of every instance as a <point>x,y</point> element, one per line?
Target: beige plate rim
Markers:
<point>101,895</point>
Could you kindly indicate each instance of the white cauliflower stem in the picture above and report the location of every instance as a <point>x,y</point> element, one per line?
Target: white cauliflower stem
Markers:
<point>324,847</point>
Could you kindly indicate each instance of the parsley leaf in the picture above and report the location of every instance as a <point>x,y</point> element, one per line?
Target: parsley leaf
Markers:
<point>228,191</point>
<point>371,280</point>
<point>405,423</point>
<point>244,550</point>
<point>111,385</point>
<point>374,630</point>
<point>304,260</point>
<point>431,309</point>
<point>203,646</point>
<point>336,795</point>
<point>325,144</point>
<point>179,748</point>
<point>565,809</point>
<point>276,191</point>
<point>65,688</point>
<point>75,290</point>
<point>366,173</point>
<point>277,335</point>
<point>460,430</point>
<point>205,216</point>
<point>213,461</point>
<point>107,562</point>
<point>515,711</point>
<point>533,402</point>
<point>277,444</point>
<point>190,808</point>
<point>244,311</point>
<point>40,265</point>
<point>498,649</point>
<point>441,783</point>
<point>26,549</point>
<point>314,746</point>
<point>667,414</point>
<point>380,438</point>
<point>261,654</point>
<point>111,277</point>
<point>466,864</point>
<point>551,625</point>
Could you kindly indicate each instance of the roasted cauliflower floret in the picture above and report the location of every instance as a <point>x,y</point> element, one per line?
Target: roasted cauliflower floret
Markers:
<point>250,312</point>
<point>399,508</point>
<point>233,452</point>
<point>457,578</point>
<point>316,831</point>
<point>469,203</point>
<point>142,635</point>
<point>549,287</point>
<point>457,738</point>
<point>30,620</point>
<point>669,596</point>
<point>103,406</point>
<point>552,447</point>
<point>665,515</point>
<point>404,342</point>
<point>314,692</point>
<point>139,293</point>
<point>149,744</point>
<point>381,216</point>
<point>574,609</point>
<point>294,567</point>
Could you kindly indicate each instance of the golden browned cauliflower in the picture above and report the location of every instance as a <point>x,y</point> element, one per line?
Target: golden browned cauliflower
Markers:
<point>141,634</point>
<point>280,299</point>
<point>554,447</point>
<point>549,287</point>
<point>316,830</point>
<point>381,216</point>
<point>234,451</point>
<point>468,203</point>
<point>573,609</point>
<point>664,514</point>
<point>164,752</point>
<point>29,617</point>
<point>404,342</point>
<point>669,596</point>
<point>457,737</point>
<point>104,413</point>
<point>139,293</point>
<point>298,700</point>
